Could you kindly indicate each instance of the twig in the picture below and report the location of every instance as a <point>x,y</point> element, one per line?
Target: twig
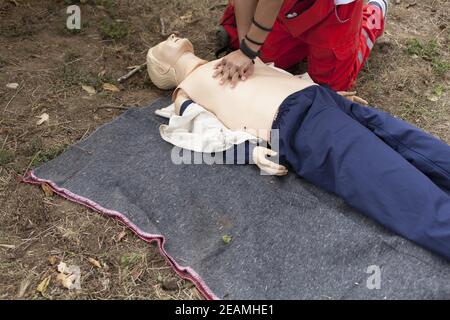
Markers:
<point>112,107</point>
<point>4,142</point>
<point>31,162</point>
<point>13,97</point>
<point>14,2</point>
<point>82,149</point>
<point>163,27</point>
<point>131,73</point>
<point>217,6</point>
<point>7,246</point>
<point>71,62</point>
<point>85,134</point>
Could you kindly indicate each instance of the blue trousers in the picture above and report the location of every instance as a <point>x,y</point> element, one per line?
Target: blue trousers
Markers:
<point>386,168</point>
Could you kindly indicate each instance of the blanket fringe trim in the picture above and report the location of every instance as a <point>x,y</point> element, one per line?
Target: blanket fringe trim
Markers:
<point>185,273</point>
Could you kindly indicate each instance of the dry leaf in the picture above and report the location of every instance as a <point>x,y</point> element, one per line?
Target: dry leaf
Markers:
<point>95,263</point>
<point>89,89</point>
<point>53,260</point>
<point>227,239</point>
<point>110,87</point>
<point>187,17</point>
<point>136,273</point>
<point>433,98</point>
<point>67,281</point>
<point>13,86</point>
<point>47,190</point>
<point>24,284</point>
<point>42,287</point>
<point>69,276</point>
<point>42,119</point>
<point>121,235</point>
<point>101,73</point>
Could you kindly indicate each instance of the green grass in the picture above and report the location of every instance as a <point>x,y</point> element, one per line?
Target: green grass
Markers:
<point>35,145</point>
<point>71,56</point>
<point>3,62</point>
<point>440,67</point>
<point>6,156</point>
<point>43,156</point>
<point>113,30</point>
<point>429,51</point>
<point>107,4</point>
<point>438,90</point>
<point>131,259</point>
<point>411,111</point>
<point>97,80</point>
<point>425,50</point>
<point>71,74</point>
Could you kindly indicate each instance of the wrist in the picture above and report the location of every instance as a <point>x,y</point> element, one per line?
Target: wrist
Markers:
<point>248,51</point>
<point>253,46</point>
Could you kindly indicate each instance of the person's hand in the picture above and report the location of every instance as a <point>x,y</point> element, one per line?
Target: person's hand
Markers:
<point>260,155</point>
<point>233,68</point>
<point>353,97</point>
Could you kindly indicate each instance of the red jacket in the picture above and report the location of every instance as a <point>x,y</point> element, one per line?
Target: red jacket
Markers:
<point>324,24</point>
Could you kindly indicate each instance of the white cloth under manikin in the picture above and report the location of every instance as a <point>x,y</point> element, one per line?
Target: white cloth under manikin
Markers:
<point>199,130</point>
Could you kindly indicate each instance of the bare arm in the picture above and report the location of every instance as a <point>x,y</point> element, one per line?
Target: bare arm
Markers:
<point>244,10</point>
<point>266,14</point>
<point>237,65</point>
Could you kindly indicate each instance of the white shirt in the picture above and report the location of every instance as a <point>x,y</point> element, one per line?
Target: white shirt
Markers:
<point>199,130</point>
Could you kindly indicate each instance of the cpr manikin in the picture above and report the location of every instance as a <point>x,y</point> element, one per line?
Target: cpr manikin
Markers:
<point>386,168</point>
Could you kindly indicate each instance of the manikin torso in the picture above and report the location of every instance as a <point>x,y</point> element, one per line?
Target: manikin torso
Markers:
<point>252,105</point>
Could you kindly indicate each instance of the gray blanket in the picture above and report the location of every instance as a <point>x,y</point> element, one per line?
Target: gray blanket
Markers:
<point>289,240</point>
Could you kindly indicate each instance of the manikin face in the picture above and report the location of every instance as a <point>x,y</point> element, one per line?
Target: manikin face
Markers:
<point>169,51</point>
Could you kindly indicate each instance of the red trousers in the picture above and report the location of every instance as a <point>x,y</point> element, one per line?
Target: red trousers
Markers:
<point>336,40</point>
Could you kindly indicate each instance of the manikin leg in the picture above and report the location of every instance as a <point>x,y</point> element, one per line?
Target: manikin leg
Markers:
<point>329,147</point>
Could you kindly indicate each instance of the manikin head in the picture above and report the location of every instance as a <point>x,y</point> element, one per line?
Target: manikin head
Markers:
<point>164,67</point>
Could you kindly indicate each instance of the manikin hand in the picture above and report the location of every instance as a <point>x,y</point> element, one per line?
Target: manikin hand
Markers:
<point>353,97</point>
<point>260,155</point>
<point>234,67</point>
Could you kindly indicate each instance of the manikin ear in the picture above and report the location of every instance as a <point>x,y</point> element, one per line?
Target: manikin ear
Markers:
<point>160,67</point>
<point>163,76</point>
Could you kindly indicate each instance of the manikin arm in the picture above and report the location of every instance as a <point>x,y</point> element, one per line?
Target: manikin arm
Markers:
<point>181,97</point>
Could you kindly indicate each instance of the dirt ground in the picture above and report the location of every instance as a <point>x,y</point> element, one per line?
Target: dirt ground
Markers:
<point>407,75</point>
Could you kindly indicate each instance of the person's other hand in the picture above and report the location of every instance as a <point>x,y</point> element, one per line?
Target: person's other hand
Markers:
<point>353,97</point>
<point>260,155</point>
<point>233,68</point>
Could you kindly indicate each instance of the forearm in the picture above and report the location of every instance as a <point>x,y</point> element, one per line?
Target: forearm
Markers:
<point>245,11</point>
<point>266,14</point>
